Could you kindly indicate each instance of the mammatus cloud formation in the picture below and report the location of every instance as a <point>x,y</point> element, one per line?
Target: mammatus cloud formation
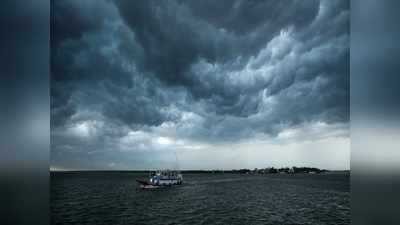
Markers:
<point>216,81</point>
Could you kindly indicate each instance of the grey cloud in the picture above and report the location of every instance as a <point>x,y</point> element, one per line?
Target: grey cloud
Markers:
<point>245,17</point>
<point>176,34</point>
<point>206,71</point>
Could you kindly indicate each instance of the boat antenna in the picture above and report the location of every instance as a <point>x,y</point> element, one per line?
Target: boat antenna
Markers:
<point>177,161</point>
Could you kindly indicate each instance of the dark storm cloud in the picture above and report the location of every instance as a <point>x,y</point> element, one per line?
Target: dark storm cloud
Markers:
<point>176,34</point>
<point>205,71</point>
<point>244,17</point>
<point>89,66</point>
<point>74,18</point>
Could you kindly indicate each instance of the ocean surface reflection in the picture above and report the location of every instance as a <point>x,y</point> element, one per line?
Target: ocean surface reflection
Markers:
<point>115,198</point>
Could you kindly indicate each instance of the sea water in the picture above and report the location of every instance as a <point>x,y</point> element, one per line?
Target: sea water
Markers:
<point>113,198</point>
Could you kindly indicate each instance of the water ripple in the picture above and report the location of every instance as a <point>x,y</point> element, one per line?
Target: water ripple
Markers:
<point>112,198</point>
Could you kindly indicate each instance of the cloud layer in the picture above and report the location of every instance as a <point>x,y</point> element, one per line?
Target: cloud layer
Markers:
<point>129,78</point>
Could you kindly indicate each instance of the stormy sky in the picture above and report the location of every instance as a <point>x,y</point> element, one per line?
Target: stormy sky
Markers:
<point>219,84</point>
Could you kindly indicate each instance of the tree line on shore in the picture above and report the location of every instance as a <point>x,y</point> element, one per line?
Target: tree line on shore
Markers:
<point>268,170</point>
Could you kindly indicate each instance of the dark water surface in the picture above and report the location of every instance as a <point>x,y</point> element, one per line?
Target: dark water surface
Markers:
<point>114,198</point>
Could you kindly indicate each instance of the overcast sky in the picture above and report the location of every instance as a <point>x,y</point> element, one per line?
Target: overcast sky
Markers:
<point>219,84</point>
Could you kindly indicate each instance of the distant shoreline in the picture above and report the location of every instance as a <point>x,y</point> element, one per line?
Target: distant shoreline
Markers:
<point>242,171</point>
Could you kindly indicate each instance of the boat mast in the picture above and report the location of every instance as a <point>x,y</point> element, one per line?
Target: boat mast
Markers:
<point>177,161</point>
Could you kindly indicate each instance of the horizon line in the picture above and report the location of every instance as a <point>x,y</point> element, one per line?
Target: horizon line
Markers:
<point>205,170</point>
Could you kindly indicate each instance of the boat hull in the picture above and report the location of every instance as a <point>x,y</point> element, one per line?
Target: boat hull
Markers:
<point>165,183</point>
<point>149,186</point>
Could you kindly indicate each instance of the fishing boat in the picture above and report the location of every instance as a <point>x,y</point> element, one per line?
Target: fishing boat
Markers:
<point>161,178</point>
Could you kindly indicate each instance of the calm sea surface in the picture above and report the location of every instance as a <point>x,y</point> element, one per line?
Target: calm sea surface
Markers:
<point>114,198</point>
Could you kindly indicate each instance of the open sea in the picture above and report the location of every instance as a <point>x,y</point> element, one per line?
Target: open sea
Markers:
<point>113,198</point>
